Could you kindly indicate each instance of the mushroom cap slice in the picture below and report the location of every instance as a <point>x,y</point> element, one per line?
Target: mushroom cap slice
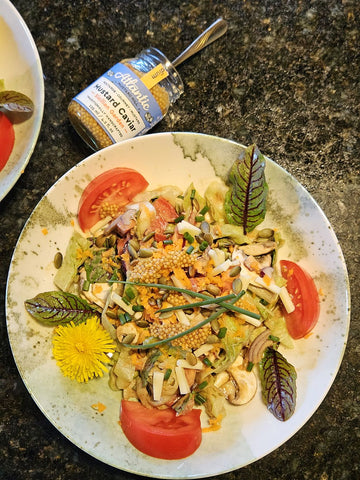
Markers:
<point>246,386</point>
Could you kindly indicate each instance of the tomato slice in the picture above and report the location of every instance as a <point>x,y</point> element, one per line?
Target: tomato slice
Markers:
<point>164,208</point>
<point>304,294</point>
<point>165,213</point>
<point>7,139</point>
<point>161,433</point>
<point>107,193</point>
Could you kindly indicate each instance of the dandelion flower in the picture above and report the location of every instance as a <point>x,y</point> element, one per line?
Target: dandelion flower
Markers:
<point>80,350</point>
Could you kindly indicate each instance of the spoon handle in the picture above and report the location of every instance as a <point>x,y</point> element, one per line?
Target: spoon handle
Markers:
<point>212,33</point>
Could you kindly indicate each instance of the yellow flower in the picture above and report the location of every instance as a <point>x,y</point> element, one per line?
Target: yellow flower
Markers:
<point>80,350</point>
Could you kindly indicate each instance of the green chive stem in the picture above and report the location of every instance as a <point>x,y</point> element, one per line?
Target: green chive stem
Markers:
<point>198,304</point>
<point>212,317</point>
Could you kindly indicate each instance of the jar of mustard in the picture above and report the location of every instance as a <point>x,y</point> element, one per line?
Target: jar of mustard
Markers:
<point>127,101</point>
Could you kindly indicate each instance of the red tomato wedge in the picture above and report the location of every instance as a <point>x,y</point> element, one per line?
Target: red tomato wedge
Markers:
<point>164,208</point>
<point>161,433</point>
<point>7,139</point>
<point>115,187</point>
<point>165,213</point>
<point>305,297</point>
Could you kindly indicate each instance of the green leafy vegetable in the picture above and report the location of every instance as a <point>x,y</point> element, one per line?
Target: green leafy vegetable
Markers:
<point>278,382</point>
<point>245,202</point>
<point>73,258</point>
<point>15,101</point>
<point>59,308</point>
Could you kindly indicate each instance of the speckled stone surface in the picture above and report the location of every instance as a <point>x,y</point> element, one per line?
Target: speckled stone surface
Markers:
<point>286,76</point>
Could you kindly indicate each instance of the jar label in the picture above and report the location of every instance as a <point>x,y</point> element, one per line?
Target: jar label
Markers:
<point>121,103</point>
<point>154,76</point>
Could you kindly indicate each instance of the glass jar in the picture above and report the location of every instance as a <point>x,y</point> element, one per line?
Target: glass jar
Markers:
<point>127,101</point>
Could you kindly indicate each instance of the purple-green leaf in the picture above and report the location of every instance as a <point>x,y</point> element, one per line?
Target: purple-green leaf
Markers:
<point>278,382</point>
<point>59,308</point>
<point>245,202</point>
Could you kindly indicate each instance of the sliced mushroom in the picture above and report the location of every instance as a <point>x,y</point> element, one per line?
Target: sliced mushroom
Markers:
<point>264,261</point>
<point>245,386</point>
<point>257,249</point>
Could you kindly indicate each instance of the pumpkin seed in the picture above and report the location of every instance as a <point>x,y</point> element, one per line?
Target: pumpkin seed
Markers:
<point>164,315</point>
<point>266,233</point>
<point>237,285</point>
<point>142,323</point>
<point>225,242</point>
<point>191,359</point>
<point>148,236</point>
<point>215,325</point>
<point>145,253</point>
<point>134,243</point>
<point>208,238</point>
<point>235,271</point>
<point>58,259</point>
<point>99,242</point>
<point>212,339</point>
<point>111,240</point>
<point>132,252</point>
<point>205,227</point>
<point>213,289</point>
<point>129,338</point>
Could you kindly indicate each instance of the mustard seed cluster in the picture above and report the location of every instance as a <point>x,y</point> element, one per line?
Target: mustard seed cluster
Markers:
<point>149,270</point>
<point>190,341</point>
<point>83,121</point>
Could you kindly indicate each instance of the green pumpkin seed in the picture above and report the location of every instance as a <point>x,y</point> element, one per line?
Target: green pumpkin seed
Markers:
<point>58,259</point>
<point>148,236</point>
<point>237,285</point>
<point>212,339</point>
<point>100,241</point>
<point>266,233</point>
<point>129,338</point>
<point>135,244</point>
<point>213,289</point>
<point>145,253</point>
<point>235,271</point>
<point>142,323</point>
<point>132,252</point>
<point>215,325</point>
<point>191,359</point>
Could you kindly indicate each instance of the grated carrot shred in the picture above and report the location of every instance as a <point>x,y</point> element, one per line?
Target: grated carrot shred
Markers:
<point>44,231</point>
<point>182,277</point>
<point>214,424</point>
<point>97,289</point>
<point>99,407</point>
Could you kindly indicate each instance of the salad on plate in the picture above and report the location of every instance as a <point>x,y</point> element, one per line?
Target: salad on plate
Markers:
<point>180,297</point>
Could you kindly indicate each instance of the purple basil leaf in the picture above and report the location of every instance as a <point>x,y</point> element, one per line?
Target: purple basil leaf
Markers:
<point>278,382</point>
<point>245,202</point>
<point>59,308</point>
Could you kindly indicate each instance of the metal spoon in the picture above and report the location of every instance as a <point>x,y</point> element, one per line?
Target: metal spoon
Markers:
<point>212,33</point>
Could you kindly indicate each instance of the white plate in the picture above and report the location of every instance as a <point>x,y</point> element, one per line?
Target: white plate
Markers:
<point>248,432</point>
<point>21,70</point>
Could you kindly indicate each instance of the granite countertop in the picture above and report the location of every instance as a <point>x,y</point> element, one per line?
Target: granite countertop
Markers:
<point>285,76</point>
